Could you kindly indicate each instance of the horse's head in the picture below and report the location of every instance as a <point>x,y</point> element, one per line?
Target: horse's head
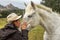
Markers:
<point>32,15</point>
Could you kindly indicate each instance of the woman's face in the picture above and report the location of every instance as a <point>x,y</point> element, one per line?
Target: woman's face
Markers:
<point>17,23</point>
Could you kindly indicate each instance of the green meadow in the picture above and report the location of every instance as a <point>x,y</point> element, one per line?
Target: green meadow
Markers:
<point>2,22</point>
<point>34,34</point>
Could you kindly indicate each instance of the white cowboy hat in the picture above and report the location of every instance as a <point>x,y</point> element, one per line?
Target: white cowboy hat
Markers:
<point>12,17</point>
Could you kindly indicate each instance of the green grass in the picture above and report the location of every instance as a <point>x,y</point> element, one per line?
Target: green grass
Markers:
<point>34,34</point>
<point>2,22</point>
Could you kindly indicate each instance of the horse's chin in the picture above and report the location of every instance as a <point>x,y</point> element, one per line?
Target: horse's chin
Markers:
<point>33,24</point>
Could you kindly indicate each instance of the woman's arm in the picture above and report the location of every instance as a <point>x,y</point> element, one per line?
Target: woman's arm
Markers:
<point>24,31</point>
<point>24,34</point>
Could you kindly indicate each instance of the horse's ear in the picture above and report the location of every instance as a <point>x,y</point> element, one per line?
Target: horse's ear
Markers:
<point>32,4</point>
<point>25,4</point>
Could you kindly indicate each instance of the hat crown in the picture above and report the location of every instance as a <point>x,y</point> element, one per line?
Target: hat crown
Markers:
<point>12,17</point>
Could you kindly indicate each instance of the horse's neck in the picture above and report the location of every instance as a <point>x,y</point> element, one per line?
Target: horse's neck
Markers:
<point>50,21</point>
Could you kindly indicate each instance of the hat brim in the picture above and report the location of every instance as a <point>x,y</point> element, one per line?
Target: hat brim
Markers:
<point>19,17</point>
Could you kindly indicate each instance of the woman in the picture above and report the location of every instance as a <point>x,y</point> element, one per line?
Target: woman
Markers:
<point>12,30</point>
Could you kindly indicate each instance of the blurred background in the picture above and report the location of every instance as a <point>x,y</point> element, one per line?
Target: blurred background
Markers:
<point>18,7</point>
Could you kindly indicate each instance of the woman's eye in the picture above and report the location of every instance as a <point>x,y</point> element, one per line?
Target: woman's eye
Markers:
<point>30,16</point>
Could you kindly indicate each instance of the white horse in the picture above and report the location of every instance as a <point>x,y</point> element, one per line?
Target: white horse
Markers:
<point>45,17</point>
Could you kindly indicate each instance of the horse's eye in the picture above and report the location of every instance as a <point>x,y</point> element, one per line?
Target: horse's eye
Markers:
<point>30,16</point>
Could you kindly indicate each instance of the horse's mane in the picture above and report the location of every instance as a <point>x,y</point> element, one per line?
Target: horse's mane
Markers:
<point>44,7</point>
<point>41,6</point>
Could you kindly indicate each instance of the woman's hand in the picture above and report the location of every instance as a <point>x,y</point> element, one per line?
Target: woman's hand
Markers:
<point>24,26</point>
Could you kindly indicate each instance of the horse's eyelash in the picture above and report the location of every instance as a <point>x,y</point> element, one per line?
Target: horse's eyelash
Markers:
<point>31,15</point>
